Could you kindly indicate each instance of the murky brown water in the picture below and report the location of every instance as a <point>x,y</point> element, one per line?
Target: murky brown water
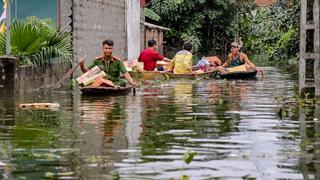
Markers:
<point>234,126</point>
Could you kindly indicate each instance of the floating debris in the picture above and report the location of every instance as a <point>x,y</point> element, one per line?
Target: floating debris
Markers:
<point>39,106</point>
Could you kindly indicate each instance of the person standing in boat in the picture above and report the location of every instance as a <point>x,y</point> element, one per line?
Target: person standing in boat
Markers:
<point>110,64</point>
<point>182,61</point>
<point>150,56</point>
<point>236,58</point>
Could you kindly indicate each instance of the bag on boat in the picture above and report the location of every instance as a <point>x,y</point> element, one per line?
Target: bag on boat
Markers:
<point>90,76</point>
<point>241,68</point>
<point>102,82</point>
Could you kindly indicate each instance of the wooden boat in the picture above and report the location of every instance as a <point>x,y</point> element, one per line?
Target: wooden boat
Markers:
<point>145,75</point>
<point>239,75</point>
<point>105,90</point>
<point>190,76</point>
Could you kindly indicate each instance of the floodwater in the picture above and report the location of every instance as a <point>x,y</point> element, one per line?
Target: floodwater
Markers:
<point>234,127</point>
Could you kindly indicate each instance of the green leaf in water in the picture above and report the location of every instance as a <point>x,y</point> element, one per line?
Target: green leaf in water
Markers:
<point>220,101</point>
<point>49,175</point>
<point>115,175</point>
<point>185,177</point>
<point>188,157</point>
<point>95,159</point>
<point>282,113</point>
<point>53,175</point>
<point>167,76</point>
<point>248,177</point>
<point>217,178</point>
<point>306,96</point>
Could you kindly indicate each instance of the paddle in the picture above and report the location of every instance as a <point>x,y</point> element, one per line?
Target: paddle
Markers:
<point>68,74</point>
<point>134,90</point>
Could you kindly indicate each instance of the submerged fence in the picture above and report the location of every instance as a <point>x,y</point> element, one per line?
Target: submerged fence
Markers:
<point>309,67</point>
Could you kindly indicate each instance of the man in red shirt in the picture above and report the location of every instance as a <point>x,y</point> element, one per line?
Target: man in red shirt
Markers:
<point>149,56</point>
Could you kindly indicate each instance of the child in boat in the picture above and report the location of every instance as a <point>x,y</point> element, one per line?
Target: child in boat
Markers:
<point>203,64</point>
<point>208,63</point>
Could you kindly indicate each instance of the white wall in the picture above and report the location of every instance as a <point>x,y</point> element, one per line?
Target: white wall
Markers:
<point>133,28</point>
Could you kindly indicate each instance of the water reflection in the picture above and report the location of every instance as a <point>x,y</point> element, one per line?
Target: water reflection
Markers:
<point>7,116</point>
<point>234,127</point>
<point>309,132</point>
<point>101,128</point>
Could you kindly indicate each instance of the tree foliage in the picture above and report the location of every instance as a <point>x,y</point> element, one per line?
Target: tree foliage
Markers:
<point>212,24</point>
<point>151,14</point>
<point>208,24</point>
<point>274,31</point>
<point>37,41</point>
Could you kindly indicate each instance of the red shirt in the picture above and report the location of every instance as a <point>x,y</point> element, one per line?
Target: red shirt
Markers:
<point>149,57</point>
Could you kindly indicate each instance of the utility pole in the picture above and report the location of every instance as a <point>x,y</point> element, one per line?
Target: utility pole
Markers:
<point>8,24</point>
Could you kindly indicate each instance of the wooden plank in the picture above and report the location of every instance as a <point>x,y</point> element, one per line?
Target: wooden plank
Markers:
<point>68,74</point>
<point>241,68</point>
<point>39,106</point>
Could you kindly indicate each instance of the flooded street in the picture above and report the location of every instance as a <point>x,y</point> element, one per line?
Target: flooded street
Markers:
<point>234,126</point>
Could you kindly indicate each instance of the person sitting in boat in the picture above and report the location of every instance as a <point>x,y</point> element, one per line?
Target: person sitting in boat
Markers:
<point>150,56</point>
<point>208,63</point>
<point>236,58</point>
<point>203,64</point>
<point>213,60</point>
<point>110,64</point>
<point>182,61</point>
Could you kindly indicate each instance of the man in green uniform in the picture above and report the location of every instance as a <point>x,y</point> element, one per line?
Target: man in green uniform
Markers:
<point>111,65</point>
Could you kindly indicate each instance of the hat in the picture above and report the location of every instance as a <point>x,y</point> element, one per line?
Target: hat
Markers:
<point>235,44</point>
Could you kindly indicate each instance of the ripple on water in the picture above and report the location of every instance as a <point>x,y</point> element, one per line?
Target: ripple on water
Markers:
<point>233,126</point>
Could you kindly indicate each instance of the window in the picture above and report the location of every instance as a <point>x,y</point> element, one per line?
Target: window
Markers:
<point>21,9</point>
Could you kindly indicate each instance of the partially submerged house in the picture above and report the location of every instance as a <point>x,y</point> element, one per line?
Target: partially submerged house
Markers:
<point>155,32</point>
<point>91,22</point>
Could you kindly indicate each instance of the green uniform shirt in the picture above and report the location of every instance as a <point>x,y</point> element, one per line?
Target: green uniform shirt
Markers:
<point>111,67</point>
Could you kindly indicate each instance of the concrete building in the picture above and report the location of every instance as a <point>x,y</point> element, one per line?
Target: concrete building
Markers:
<point>91,22</point>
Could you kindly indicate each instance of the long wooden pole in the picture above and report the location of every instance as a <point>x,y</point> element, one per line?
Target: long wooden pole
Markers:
<point>8,24</point>
<point>67,75</point>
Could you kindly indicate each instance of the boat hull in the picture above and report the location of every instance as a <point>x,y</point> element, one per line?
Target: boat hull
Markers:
<point>145,75</point>
<point>239,75</point>
<point>92,91</point>
<point>190,76</point>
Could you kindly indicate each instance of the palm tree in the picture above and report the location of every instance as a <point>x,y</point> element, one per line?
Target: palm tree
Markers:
<point>37,41</point>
